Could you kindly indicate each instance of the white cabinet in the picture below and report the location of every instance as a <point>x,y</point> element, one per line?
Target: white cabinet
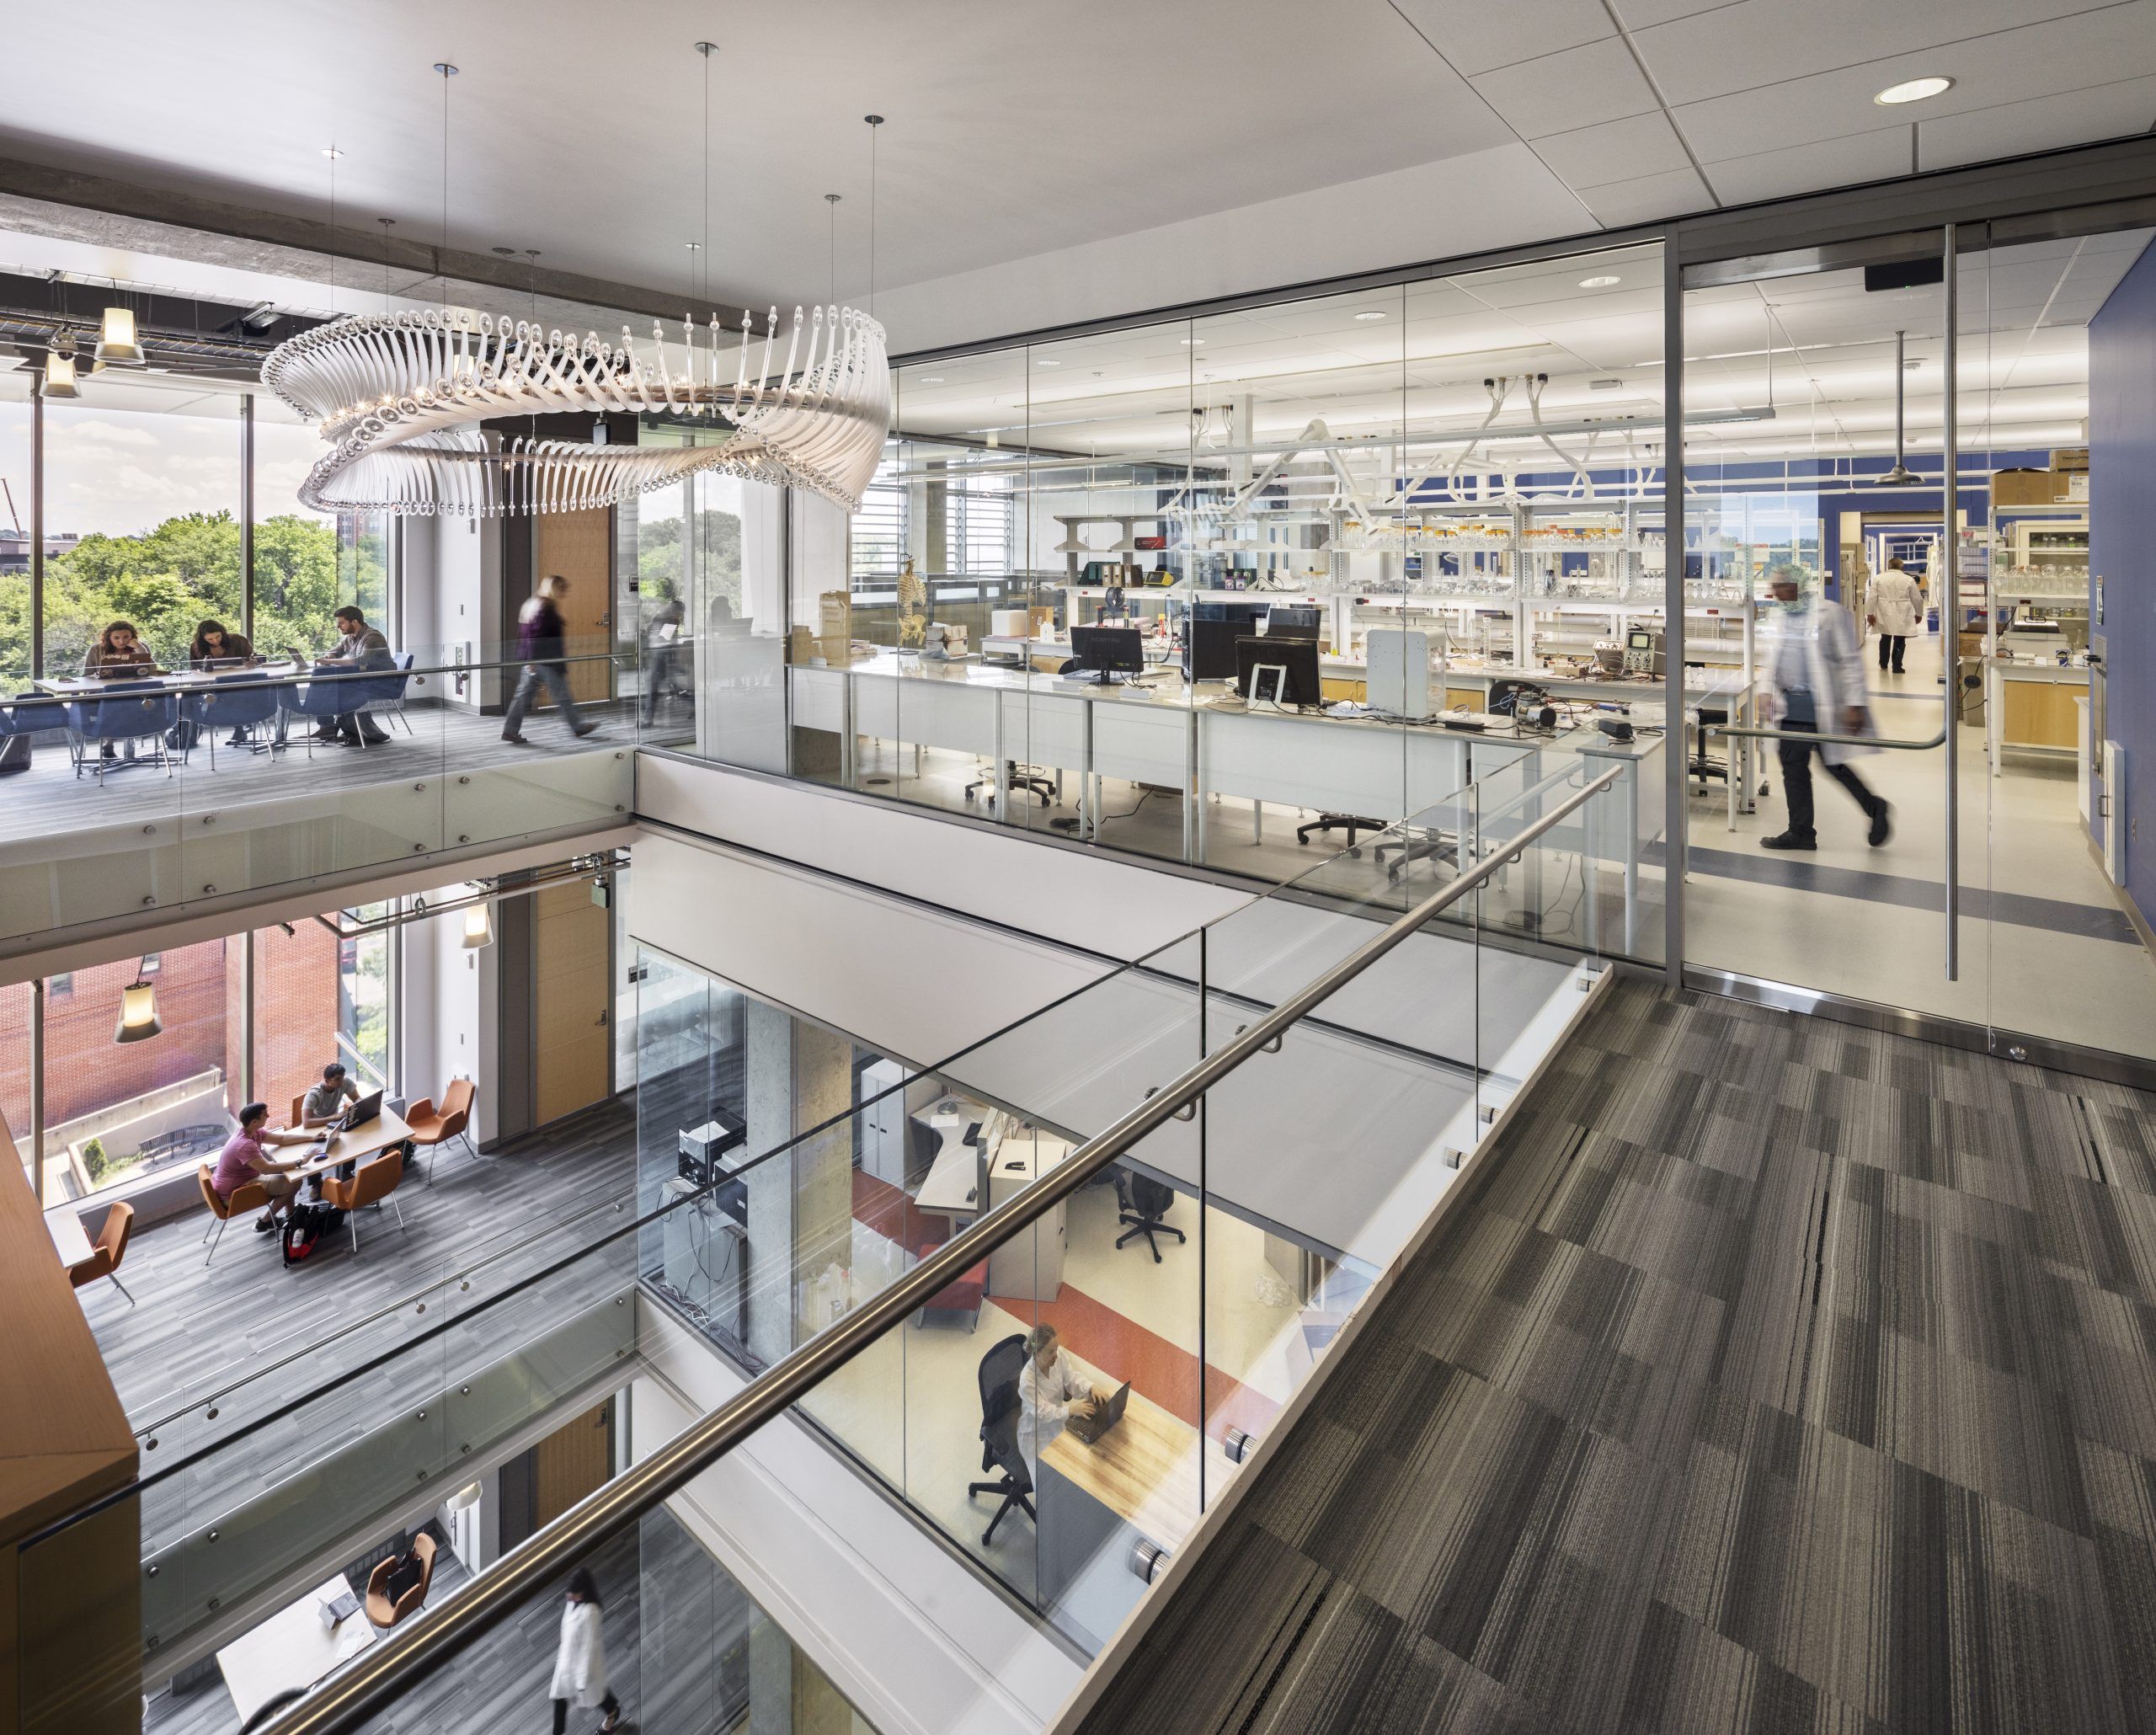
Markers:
<point>1030,1265</point>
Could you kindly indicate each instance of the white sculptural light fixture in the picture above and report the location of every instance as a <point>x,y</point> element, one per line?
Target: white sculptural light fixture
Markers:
<point>400,398</point>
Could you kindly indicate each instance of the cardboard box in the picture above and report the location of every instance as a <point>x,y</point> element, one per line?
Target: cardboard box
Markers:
<point>2071,458</point>
<point>2026,487</point>
<point>835,627</point>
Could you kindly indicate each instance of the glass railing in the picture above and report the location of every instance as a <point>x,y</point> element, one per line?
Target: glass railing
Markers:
<point>164,791</point>
<point>1205,1262</point>
<point>1154,764</point>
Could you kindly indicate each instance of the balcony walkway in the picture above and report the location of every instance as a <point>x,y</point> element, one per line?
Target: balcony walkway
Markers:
<point>1785,1375</point>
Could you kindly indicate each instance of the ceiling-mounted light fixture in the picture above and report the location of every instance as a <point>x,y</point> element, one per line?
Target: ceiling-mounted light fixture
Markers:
<point>1913,90</point>
<point>60,374</point>
<point>1369,314</point>
<point>478,927</point>
<point>138,1011</point>
<point>1049,361</point>
<point>116,339</point>
<point>332,153</point>
<point>930,379</point>
<point>1901,476</point>
<point>1603,282</point>
<point>1191,343</point>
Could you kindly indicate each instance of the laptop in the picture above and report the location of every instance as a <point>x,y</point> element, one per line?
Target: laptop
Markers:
<point>362,1112</point>
<point>1090,1428</point>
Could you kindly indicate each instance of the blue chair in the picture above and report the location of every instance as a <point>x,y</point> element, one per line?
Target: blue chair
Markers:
<point>126,711</point>
<point>388,701</point>
<point>325,701</point>
<point>237,701</point>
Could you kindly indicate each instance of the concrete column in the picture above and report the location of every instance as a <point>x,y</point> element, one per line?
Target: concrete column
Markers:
<point>801,1204</point>
<point>767,1035</point>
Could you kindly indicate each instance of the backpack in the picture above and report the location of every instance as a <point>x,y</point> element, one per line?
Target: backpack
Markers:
<point>307,1226</point>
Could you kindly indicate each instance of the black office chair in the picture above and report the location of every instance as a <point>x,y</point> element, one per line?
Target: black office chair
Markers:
<point>1000,1407</point>
<point>1432,845</point>
<point>1031,779</point>
<point>1145,1203</point>
<point>1352,824</point>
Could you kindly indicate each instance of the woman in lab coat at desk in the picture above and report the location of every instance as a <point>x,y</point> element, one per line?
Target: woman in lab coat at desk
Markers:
<point>1051,1390</point>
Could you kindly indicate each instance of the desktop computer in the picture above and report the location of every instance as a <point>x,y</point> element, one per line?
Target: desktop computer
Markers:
<point>1108,651</point>
<point>1284,671</point>
<point>1208,652</point>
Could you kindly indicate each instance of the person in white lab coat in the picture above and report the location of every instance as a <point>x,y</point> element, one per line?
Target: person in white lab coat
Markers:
<point>1816,663</point>
<point>1895,605</point>
<point>1051,1390</point>
<point>580,1663</point>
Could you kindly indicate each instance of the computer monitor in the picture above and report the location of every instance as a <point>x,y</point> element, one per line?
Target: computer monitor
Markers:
<point>1297,655</point>
<point>363,1111</point>
<point>1108,651</point>
<point>1301,622</point>
<point>1210,653</point>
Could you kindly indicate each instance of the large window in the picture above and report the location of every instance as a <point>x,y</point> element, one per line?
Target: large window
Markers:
<point>15,514</point>
<point>307,565</point>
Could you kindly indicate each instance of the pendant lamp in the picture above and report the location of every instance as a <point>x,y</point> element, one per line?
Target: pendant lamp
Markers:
<point>478,927</point>
<point>60,374</point>
<point>116,339</point>
<point>138,1012</point>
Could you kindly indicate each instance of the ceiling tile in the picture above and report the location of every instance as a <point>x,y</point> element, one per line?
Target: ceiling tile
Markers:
<point>1651,196</point>
<point>2012,65</point>
<point>2041,123</point>
<point>1800,168</point>
<point>1645,14</point>
<point>1478,37</point>
<point>1578,87</point>
<point>1756,42</point>
<point>1614,151</point>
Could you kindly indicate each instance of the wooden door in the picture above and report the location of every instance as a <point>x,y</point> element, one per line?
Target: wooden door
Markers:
<point>579,546</point>
<point>574,1460</point>
<point>572,1034</point>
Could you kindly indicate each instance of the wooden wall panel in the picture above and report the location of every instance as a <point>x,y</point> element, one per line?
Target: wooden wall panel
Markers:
<point>572,1034</point>
<point>574,1460</point>
<point>579,546</point>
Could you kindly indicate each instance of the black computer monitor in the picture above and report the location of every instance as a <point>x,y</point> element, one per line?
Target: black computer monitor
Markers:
<point>1109,651</point>
<point>1298,655</point>
<point>1302,622</point>
<point>1210,653</point>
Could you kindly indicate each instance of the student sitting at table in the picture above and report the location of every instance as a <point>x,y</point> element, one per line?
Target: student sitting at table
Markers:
<point>215,647</point>
<point>117,653</point>
<point>1052,1389</point>
<point>325,1102</point>
<point>359,646</point>
<point>245,1158</point>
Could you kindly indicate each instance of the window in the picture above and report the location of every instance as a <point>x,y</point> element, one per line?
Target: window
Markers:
<point>306,563</point>
<point>363,999</point>
<point>298,1005</point>
<point>152,962</point>
<point>879,527</point>
<point>978,515</point>
<point>61,986</point>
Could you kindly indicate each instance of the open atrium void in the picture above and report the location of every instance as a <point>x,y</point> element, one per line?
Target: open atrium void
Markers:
<point>1261,868</point>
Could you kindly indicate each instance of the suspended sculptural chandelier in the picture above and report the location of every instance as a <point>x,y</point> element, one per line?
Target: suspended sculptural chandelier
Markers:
<point>401,398</point>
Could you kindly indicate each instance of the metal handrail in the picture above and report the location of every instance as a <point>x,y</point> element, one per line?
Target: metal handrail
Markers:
<point>365,1687</point>
<point>1799,734</point>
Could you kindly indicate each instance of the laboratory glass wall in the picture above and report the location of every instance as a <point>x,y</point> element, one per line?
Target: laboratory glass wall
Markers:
<point>1238,589</point>
<point>1948,857</point>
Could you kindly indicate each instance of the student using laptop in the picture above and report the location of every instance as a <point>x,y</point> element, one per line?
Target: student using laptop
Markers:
<point>326,1101</point>
<point>1051,1390</point>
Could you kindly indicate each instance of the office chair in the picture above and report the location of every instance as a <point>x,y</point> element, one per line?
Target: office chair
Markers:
<point>1029,778</point>
<point>999,1410</point>
<point>1351,824</point>
<point>399,1585</point>
<point>1145,1205</point>
<point>110,1248</point>
<point>127,712</point>
<point>1433,844</point>
<point>238,703</point>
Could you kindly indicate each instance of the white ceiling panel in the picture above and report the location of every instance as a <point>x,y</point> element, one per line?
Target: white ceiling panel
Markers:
<point>1578,87</point>
<point>1615,151</point>
<point>1643,200</point>
<point>1757,42</point>
<point>1644,14</point>
<point>1799,168</point>
<point>2118,41</point>
<point>1478,37</point>
<point>2041,124</point>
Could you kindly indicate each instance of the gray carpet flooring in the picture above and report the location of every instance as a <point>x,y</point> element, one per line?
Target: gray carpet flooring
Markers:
<point>1785,1376</point>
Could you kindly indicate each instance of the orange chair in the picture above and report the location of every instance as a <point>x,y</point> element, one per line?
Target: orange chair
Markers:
<point>431,1126</point>
<point>249,1196</point>
<point>375,1180</point>
<point>111,1247</point>
<point>380,1611</point>
<point>299,1102</point>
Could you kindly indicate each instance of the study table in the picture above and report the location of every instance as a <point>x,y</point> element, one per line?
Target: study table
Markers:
<point>355,1144</point>
<point>293,1648</point>
<point>1140,1480</point>
<point>70,1240</point>
<point>178,680</point>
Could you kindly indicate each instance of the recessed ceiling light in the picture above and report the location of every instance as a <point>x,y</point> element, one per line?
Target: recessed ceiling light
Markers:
<point>694,246</point>
<point>1050,361</point>
<point>332,153</point>
<point>1599,282</point>
<point>1190,342</point>
<point>930,379</point>
<point>1370,313</point>
<point>1914,90</point>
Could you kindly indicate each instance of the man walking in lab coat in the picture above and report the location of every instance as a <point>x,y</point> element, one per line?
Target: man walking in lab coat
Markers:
<point>1895,605</point>
<point>1816,665</point>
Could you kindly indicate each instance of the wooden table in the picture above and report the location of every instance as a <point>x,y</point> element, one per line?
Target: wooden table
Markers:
<point>292,1648</point>
<point>70,1240</point>
<point>355,1144</point>
<point>82,686</point>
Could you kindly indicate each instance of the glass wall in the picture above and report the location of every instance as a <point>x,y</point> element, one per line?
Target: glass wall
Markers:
<point>15,514</point>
